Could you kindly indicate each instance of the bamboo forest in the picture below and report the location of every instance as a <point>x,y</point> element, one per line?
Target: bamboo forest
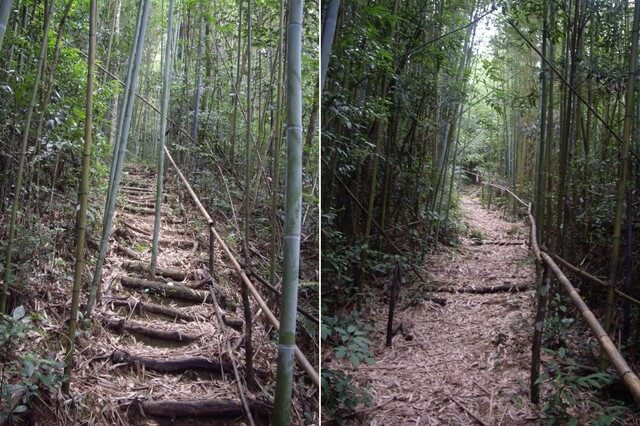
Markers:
<point>479,212</point>
<point>159,212</point>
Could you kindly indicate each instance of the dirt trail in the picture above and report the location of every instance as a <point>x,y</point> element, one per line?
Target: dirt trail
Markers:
<point>469,360</point>
<point>110,370</point>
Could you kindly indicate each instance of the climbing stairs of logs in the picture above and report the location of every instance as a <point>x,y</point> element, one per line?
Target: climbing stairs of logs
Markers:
<point>165,356</point>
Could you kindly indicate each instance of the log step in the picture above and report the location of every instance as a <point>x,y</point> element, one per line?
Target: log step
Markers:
<point>141,203</point>
<point>142,267</point>
<point>120,326</point>
<point>500,288</point>
<point>176,365</point>
<point>138,189</point>
<point>141,210</point>
<point>140,307</point>
<point>214,408</point>
<point>174,291</point>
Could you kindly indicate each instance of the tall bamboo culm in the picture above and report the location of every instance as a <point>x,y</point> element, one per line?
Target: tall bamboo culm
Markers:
<point>83,197</point>
<point>5,11</point>
<point>293,208</point>
<point>166,86</point>
<point>120,148</point>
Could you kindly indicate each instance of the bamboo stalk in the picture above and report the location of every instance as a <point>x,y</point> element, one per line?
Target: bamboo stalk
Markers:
<point>166,86</point>
<point>83,196</point>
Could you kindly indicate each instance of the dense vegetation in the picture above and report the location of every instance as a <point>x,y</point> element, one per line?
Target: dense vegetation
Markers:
<point>546,108</point>
<point>226,129</point>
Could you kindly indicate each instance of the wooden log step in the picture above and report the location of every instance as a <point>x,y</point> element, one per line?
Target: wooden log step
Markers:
<point>126,251</point>
<point>499,243</point>
<point>153,308</point>
<point>176,365</point>
<point>143,231</point>
<point>183,244</point>
<point>174,291</point>
<point>148,232</point>
<point>140,210</point>
<point>142,267</point>
<point>120,326</point>
<point>138,189</point>
<point>501,288</point>
<point>141,203</point>
<point>215,408</point>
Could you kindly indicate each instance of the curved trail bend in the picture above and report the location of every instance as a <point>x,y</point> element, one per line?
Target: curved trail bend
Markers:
<point>469,361</point>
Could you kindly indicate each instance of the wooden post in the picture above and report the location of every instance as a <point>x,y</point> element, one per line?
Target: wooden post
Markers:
<point>211,252</point>
<point>543,296</point>
<point>248,344</point>
<point>395,288</point>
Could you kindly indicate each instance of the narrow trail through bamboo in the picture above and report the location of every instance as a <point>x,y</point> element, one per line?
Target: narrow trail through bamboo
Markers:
<point>468,362</point>
<point>160,341</point>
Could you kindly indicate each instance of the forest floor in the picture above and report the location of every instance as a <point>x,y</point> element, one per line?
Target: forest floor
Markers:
<point>120,362</point>
<point>468,361</point>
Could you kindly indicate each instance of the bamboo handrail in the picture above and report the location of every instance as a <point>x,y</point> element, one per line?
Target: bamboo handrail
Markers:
<point>629,378</point>
<point>594,279</point>
<point>304,363</point>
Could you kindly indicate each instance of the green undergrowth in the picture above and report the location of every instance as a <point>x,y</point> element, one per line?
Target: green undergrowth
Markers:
<point>568,383</point>
<point>28,372</point>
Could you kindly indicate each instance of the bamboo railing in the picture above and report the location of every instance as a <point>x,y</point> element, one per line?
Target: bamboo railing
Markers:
<point>302,360</point>
<point>546,261</point>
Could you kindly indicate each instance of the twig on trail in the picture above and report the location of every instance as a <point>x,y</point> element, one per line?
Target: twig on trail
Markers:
<point>468,410</point>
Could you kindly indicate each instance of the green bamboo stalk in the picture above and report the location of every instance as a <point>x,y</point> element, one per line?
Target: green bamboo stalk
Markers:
<point>118,162</point>
<point>275,184</point>
<point>83,196</point>
<point>293,209</point>
<point>23,153</point>
<point>5,12</point>
<point>197,95</point>
<point>166,88</point>
<point>236,99</point>
<point>328,31</point>
<point>248,348</point>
